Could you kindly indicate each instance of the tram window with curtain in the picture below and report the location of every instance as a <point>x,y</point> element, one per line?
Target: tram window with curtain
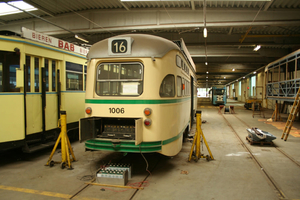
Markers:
<point>74,76</point>
<point>167,86</point>
<point>179,86</point>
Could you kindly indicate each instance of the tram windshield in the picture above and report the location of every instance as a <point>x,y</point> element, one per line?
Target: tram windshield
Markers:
<point>219,91</point>
<point>119,79</point>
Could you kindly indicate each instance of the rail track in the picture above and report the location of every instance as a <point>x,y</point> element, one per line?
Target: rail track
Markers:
<point>276,187</point>
<point>280,150</point>
<point>140,184</point>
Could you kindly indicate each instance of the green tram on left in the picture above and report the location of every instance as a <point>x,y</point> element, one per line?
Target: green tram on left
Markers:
<point>38,80</point>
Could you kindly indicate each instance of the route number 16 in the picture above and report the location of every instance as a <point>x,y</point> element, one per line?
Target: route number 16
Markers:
<point>119,46</point>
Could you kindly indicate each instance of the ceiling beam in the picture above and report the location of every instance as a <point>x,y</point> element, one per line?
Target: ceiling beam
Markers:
<point>124,5</point>
<point>45,10</point>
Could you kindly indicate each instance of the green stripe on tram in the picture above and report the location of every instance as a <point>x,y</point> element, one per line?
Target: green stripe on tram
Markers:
<point>137,101</point>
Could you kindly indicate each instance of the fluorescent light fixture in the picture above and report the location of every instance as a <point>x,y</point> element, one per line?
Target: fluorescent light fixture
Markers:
<point>207,72</point>
<point>206,63</point>
<point>205,32</point>
<point>6,9</point>
<point>233,69</point>
<point>254,72</point>
<point>257,48</point>
<point>80,38</point>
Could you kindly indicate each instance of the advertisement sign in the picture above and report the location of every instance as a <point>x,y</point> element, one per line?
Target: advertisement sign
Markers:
<point>39,37</point>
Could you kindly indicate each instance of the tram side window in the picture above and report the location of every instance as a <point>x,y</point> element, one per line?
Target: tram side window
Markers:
<point>28,73</point>
<point>53,75</point>
<point>36,74</point>
<point>167,87</point>
<point>291,70</point>
<point>1,72</point>
<point>47,74</point>
<point>276,74</point>
<point>179,85</point>
<point>178,61</point>
<point>298,68</point>
<point>74,76</point>
<point>85,69</point>
<point>283,72</point>
<point>9,62</point>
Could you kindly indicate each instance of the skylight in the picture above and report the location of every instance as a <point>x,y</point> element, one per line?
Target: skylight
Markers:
<point>6,9</point>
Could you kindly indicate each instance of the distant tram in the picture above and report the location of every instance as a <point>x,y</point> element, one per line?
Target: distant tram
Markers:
<point>36,82</point>
<point>218,95</point>
<point>141,95</point>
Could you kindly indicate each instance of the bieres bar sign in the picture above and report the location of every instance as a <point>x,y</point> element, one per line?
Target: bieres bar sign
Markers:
<point>39,37</point>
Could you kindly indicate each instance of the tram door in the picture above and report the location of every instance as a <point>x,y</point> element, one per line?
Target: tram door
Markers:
<point>41,97</point>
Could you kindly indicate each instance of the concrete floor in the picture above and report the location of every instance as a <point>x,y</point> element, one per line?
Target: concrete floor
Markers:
<point>232,175</point>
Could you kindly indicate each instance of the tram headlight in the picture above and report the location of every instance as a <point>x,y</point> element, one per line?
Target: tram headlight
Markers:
<point>148,122</point>
<point>147,111</point>
<point>88,110</point>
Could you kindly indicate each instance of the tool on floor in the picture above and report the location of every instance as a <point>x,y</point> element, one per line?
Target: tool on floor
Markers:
<point>66,147</point>
<point>195,153</point>
<point>291,118</point>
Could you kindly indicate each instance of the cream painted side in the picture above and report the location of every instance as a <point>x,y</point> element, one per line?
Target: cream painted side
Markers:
<point>73,103</point>
<point>168,120</point>
<point>34,113</point>
<point>51,111</point>
<point>173,148</point>
<point>12,122</point>
<point>10,130</point>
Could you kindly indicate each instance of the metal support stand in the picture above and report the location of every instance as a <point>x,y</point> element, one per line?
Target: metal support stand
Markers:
<point>257,109</point>
<point>276,113</point>
<point>195,153</point>
<point>65,145</point>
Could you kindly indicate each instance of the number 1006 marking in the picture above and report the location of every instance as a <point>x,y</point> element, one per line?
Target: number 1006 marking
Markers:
<point>117,110</point>
<point>119,46</point>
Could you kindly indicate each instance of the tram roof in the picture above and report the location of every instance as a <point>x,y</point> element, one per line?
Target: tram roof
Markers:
<point>287,58</point>
<point>143,45</point>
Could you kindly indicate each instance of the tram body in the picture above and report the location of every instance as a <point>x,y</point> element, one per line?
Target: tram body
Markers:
<point>36,82</point>
<point>140,96</point>
<point>218,95</point>
<point>282,77</point>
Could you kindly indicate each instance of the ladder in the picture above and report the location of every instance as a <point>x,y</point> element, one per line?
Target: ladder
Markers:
<point>291,118</point>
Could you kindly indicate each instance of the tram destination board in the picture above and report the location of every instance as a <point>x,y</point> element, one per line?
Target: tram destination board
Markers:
<point>119,46</point>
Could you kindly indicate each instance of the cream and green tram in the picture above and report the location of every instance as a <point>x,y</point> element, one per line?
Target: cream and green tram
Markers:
<point>140,95</point>
<point>36,82</point>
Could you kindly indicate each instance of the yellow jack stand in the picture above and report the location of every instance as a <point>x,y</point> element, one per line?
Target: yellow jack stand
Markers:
<point>195,150</point>
<point>65,145</point>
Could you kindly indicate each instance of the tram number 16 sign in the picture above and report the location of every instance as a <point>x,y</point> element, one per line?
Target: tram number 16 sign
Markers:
<point>119,46</point>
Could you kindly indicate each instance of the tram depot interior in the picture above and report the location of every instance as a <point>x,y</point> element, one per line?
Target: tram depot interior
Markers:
<point>220,36</point>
